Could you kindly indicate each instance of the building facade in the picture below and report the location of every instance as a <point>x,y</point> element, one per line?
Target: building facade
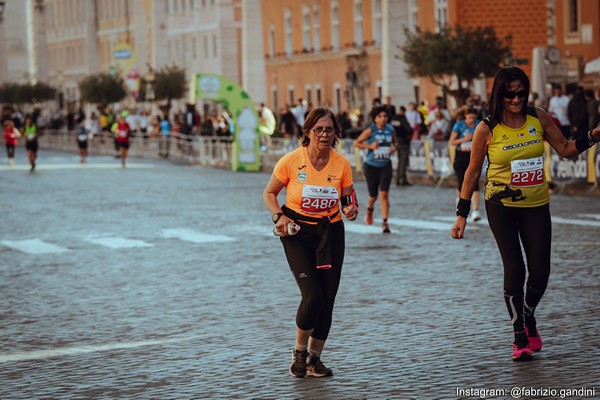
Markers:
<point>339,53</point>
<point>344,53</point>
<point>16,44</point>
<point>331,52</point>
<point>134,38</point>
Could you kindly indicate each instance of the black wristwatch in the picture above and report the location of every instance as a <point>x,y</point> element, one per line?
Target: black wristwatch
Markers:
<point>276,217</point>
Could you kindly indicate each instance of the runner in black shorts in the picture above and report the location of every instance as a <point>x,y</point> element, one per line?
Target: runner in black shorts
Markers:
<point>380,141</point>
<point>31,141</point>
<point>462,138</point>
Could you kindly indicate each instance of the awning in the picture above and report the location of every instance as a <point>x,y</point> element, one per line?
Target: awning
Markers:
<point>592,66</point>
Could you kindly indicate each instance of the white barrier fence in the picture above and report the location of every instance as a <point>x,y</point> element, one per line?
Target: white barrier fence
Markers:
<point>431,160</point>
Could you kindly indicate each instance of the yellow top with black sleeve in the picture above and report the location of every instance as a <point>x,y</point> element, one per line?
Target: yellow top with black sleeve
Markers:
<point>515,174</point>
<point>310,192</point>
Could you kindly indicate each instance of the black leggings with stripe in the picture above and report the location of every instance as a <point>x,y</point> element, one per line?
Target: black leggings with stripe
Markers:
<point>317,286</point>
<point>531,228</point>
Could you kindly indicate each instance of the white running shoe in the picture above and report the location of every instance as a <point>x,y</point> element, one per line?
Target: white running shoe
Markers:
<point>475,216</point>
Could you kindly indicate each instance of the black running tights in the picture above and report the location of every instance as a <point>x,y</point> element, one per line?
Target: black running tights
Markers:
<point>317,286</point>
<point>531,228</point>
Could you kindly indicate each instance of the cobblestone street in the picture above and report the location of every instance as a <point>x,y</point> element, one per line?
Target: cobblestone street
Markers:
<point>162,281</point>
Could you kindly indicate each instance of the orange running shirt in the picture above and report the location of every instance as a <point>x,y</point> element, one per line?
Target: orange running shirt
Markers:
<point>308,191</point>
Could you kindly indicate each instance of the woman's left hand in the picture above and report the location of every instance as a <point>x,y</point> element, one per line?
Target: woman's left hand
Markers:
<point>350,211</point>
<point>596,134</point>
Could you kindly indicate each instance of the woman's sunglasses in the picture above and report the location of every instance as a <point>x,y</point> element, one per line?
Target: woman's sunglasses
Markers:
<point>511,95</point>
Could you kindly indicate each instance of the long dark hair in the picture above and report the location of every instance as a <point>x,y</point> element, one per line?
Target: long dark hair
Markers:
<point>311,120</point>
<point>502,81</point>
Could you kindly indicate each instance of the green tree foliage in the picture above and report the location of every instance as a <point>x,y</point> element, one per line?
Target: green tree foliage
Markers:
<point>455,53</point>
<point>102,89</point>
<point>39,92</point>
<point>10,93</point>
<point>170,84</point>
<point>15,93</point>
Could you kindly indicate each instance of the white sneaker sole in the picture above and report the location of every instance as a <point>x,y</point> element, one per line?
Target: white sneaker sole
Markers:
<point>317,375</point>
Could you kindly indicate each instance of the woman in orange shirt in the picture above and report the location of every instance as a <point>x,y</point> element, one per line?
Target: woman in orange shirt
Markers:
<point>316,178</point>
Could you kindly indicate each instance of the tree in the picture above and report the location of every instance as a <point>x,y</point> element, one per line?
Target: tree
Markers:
<point>169,84</point>
<point>102,89</point>
<point>15,93</point>
<point>10,93</point>
<point>459,53</point>
<point>37,93</point>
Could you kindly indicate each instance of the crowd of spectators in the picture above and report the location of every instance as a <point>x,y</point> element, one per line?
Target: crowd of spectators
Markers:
<point>575,113</point>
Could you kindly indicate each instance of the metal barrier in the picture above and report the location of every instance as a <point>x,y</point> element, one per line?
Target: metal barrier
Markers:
<point>430,162</point>
<point>213,151</point>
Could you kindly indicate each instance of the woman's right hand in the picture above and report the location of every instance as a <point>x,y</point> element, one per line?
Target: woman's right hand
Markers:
<point>282,225</point>
<point>458,229</point>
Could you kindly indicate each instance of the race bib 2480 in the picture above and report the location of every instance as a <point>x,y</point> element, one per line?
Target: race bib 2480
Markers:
<point>527,172</point>
<point>317,199</point>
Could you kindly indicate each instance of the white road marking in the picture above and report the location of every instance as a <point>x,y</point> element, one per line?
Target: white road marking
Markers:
<point>555,220</point>
<point>592,216</point>
<point>118,242</point>
<point>361,228</point>
<point>451,219</point>
<point>70,351</point>
<point>34,246</point>
<point>568,221</point>
<point>190,235</point>
<point>257,229</point>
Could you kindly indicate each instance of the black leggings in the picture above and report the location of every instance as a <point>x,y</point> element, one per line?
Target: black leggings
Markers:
<point>10,150</point>
<point>531,227</point>
<point>317,286</point>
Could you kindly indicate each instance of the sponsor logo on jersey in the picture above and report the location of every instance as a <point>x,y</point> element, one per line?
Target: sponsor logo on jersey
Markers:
<point>519,145</point>
<point>532,131</point>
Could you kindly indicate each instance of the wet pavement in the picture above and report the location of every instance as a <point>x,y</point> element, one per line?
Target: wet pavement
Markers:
<point>161,281</point>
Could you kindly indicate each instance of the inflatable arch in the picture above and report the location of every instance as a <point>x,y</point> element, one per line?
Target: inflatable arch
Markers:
<point>246,140</point>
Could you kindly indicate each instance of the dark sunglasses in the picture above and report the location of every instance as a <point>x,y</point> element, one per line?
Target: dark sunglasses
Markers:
<point>511,95</point>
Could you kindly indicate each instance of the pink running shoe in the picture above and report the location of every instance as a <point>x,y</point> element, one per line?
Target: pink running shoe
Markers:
<point>535,342</point>
<point>521,354</point>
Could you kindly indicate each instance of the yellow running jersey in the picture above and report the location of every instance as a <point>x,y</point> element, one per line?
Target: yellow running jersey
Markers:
<point>515,175</point>
<point>308,191</point>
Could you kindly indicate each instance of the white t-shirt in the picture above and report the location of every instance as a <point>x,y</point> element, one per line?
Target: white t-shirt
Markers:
<point>414,118</point>
<point>558,106</point>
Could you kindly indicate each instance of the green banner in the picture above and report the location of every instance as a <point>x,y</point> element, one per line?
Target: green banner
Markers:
<point>246,140</point>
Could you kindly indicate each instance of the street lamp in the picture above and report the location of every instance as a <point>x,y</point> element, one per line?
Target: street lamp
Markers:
<point>3,63</point>
<point>150,78</point>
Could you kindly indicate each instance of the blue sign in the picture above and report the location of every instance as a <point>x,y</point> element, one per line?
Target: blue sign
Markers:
<point>122,54</point>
